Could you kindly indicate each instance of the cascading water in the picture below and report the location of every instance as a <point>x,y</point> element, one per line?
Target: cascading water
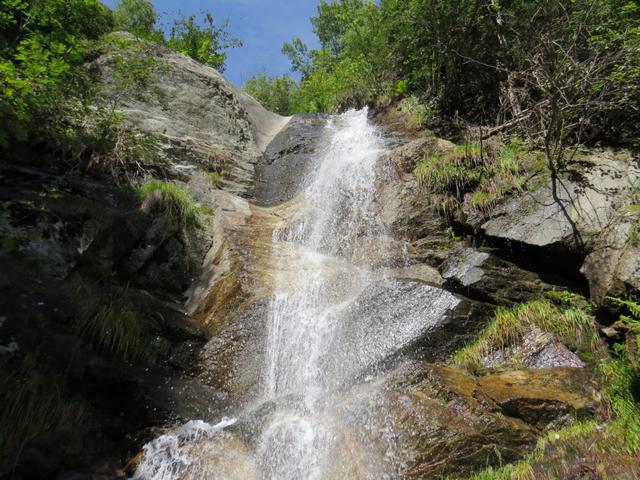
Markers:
<point>325,332</point>
<point>303,320</point>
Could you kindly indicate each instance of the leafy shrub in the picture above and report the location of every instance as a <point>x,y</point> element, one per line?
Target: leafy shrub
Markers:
<point>171,201</point>
<point>138,17</point>
<point>43,45</point>
<point>274,93</point>
<point>203,41</point>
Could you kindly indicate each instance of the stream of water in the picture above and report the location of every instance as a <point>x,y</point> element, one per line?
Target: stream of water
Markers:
<point>311,348</point>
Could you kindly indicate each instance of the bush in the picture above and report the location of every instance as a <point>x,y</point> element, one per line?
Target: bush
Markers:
<point>203,41</point>
<point>43,45</point>
<point>138,17</point>
<point>171,201</point>
<point>274,93</point>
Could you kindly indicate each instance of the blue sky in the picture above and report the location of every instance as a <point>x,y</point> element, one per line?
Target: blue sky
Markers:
<point>262,26</point>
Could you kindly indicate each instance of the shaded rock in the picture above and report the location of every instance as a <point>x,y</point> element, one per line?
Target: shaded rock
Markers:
<point>537,349</point>
<point>613,267</point>
<point>482,275</point>
<point>282,171</point>
<point>568,211</point>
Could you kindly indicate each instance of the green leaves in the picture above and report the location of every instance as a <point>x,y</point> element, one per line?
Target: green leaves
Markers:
<point>274,93</point>
<point>203,40</point>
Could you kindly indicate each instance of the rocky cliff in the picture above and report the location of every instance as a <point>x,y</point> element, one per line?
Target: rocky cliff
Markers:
<point>75,247</point>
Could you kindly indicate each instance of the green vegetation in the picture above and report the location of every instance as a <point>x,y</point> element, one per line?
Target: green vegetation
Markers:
<point>138,17</point>
<point>49,94</point>
<point>204,41</point>
<point>274,93</point>
<point>111,323</point>
<point>34,403</point>
<point>574,325</point>
<point>475,175</point>
<point>215,178</point>
<point>554,72</point>
<point>611,441</point>
<point>171,201</point>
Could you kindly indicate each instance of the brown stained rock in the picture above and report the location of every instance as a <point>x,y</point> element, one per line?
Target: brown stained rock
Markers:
<point>544,398</point>
<point>440,420</point>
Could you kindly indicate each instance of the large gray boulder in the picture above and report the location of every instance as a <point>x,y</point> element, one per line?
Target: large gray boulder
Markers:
<point>613,267</point>
<point>200,119</point>
<point>568,211</point>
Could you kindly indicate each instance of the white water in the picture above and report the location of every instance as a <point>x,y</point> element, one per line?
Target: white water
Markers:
<point>320,334</point>
<point>304,320</point>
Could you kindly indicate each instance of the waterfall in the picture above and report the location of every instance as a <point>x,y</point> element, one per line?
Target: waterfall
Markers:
<point>304,320</point>
<point>334,314</point>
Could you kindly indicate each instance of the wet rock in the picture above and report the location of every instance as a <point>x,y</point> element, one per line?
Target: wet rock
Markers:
<point>481,275</point>
<point>442,421</point>
<point>282,171</point>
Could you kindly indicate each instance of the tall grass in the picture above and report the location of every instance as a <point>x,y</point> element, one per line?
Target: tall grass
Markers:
<point>474,175</point>
<point>573,325</point>
<point>170,200</point>
<point>111,323</point>
<point>32,403</point>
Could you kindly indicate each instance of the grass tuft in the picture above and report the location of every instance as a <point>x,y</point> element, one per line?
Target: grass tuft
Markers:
<point>474,175</point>
<point>215,178</point>
<point>33,404</point>
<point>168,199</point>
<point>573,325</point>
<point>111,324</point>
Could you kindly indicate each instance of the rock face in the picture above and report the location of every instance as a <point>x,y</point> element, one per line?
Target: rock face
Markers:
<point>613,267</point>
<point>482,275</point>
<point>201,120</point>
<point>446,422</point>
<point>571,212</point>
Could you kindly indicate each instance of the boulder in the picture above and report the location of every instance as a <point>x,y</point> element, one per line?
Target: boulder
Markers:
<point>537,349</point>
<point>201,120</point>
<point>568,211</point>
<point>481,275</point>
<point>613,267</point>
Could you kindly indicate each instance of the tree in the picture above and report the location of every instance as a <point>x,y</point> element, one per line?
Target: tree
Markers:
<point>43,44</point>
<point>137,17</point>
<point>274,93</point>
<point>203,41</point>
<point>299,56</point>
